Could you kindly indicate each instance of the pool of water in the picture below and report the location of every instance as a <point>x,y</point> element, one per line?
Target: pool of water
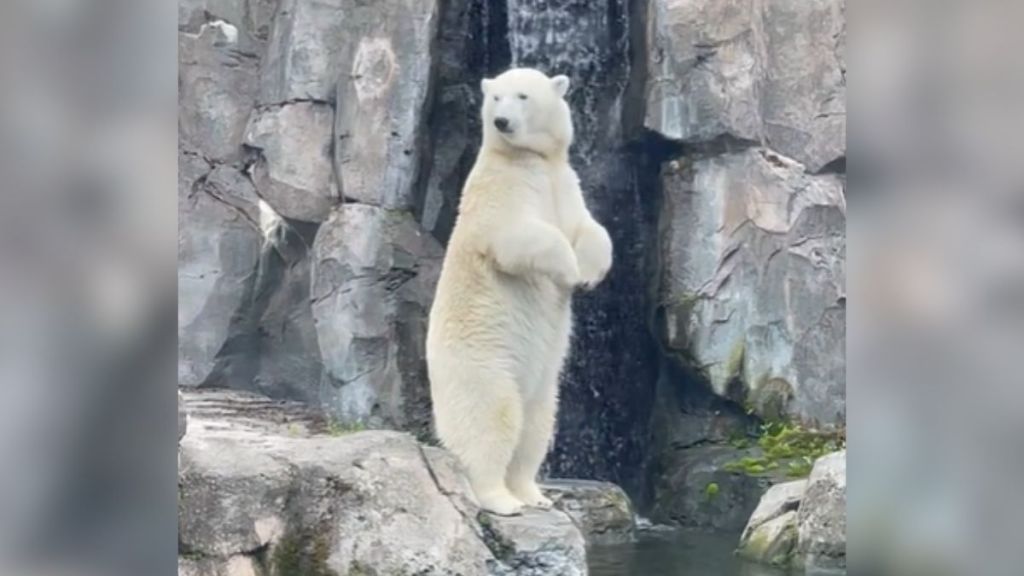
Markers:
<point>680,552</point>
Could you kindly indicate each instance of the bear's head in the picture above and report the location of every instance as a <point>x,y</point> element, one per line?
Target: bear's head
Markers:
<point>525,110</point>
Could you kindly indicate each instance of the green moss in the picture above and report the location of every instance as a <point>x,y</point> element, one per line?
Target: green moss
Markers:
<point>301,553</point>
<point>734,365</point>
<point>338,428</point>
<point>711,490</point>
<point>789,446</point>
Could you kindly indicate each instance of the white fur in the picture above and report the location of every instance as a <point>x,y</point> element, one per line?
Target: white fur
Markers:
<point>501,319</point>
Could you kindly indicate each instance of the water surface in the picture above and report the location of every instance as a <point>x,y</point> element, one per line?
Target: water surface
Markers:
<point>682,552</point>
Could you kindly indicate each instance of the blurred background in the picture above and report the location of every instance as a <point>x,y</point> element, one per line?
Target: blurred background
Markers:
<point>94,141</point>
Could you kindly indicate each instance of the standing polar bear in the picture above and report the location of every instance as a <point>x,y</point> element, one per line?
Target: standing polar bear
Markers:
<point>501,319</point>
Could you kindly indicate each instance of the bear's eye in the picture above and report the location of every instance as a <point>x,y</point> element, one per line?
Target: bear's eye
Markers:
<point>496,98</point>
<point>522,96</point>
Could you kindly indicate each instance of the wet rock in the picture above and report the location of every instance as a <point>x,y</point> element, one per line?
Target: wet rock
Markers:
<point>218,248</point>
<point>753,281</point>
<point>696,490</point>
<point>293,172</point>
<point>770,536</point>
<point>821,518</point>
<point>374,273</point>
<point>535,543</point>
<point>262,487</point>
<point>601,510</point>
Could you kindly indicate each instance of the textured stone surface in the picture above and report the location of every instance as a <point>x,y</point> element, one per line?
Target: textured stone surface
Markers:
<point>821,518</point>
<point>263,488</point>
<point>217,83</point>
<point>218,248</point>
<point>770,536</point>
<point>682,495</point>
<point>382,97</point>
<point>293,172</point>
<point>535,543</point>
<point>770,72</point>
<point>602,510</point>
<point>753,281</point>
<point>704,68</point>
<point>374,274</point>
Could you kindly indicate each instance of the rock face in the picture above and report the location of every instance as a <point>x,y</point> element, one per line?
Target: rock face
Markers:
<point>772,72</point>
<point>753,281</point>
<point>821,518</point>
<point>287,107</point>
<point>374,275</point>
<point>802,523</point>
<point>263,489</point>
<point>218,248</point>
<point>695,489</point>
<point>601,510</point>
<point>770,536</point>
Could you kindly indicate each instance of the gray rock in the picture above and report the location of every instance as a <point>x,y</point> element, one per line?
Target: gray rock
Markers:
<point>535,543</point>
<point>705,63</point>
<point>218,248</point>
<point>753,281</point>
<point>217,86</point>
<point>601,510</point>
<point>821,518</point>
<point>262,488</point>
<point>293,172</point>
<point>771,72</point>
<point>374,273</point>
<point>182,418</point>
<point>684,495</point>
<point>382,95</point>
<point>772,542</point>
<point>804,102</point>
<point>770,536</point>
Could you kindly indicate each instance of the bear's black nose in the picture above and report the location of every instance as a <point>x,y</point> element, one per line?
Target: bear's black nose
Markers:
<point>501,124</point>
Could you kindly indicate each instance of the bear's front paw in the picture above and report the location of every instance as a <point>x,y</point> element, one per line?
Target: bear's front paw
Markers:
<point>594,254</point>
<point>568,275</point>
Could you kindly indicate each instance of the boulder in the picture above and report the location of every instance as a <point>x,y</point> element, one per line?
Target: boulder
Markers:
<point>771,72</point>
<point>601,510</point>
<point>374,273</point>
<point>821,518</point>
<point>218,249</point>
<point>266,487</point>
<point>705,64</point>
<point>372,61</point>
<point>217,81</point>
<point>802,523</point>
<point>696,490</point>
<point>770,536</point>
<point>382,97</point>
<point>293,171</point>
<point>753,281</point>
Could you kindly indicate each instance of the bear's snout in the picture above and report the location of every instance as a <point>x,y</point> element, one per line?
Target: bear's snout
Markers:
<point>502,125</point>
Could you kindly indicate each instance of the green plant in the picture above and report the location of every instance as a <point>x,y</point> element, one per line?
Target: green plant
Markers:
<point>711,490</point>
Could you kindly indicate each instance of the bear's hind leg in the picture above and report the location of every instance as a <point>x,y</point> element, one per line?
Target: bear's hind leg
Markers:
<point>482,431</point>
<point>538,430</point>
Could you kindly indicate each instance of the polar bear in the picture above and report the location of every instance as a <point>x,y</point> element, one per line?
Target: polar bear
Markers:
<point>501,319</point>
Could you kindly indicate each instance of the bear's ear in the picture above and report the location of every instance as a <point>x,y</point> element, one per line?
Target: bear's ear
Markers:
<point>560,84</point>
<point>485,85</point>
